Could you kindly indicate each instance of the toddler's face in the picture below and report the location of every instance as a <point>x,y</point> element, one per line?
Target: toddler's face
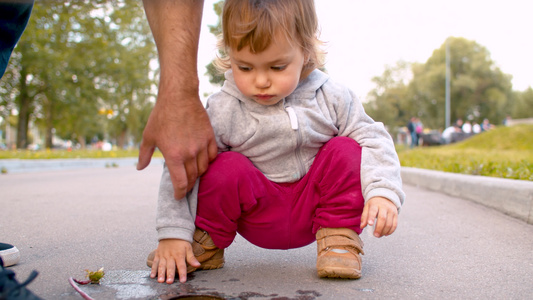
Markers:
<point>268,76</point>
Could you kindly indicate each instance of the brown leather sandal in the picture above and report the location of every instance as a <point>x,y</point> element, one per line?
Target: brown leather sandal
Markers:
<point>338,253</point>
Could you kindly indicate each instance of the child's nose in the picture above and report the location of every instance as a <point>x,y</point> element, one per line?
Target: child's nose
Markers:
<point>262,80</point>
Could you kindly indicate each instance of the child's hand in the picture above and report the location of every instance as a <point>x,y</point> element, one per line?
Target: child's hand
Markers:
<point>169,255</point>
<point>384,211</point>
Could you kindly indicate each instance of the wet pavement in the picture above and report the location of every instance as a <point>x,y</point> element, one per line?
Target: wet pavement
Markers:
<point>64,222</point>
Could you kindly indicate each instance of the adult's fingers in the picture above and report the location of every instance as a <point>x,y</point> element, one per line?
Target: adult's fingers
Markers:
<point>205,156</point>
<point>145,155</point>
<point>191,168</point>
<point>183,174</point>
<point>212,149</point>
<point>178,176</point>
<point>202,162</point>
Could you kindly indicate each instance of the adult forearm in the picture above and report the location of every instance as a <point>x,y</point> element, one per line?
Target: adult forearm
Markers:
<point>175,25</point>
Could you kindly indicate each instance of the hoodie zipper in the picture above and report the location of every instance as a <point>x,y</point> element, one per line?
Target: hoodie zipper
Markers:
<point>294,125</point>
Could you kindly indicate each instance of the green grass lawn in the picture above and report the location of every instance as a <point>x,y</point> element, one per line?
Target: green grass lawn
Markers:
<point>505,152</point>
<point>55,154</point>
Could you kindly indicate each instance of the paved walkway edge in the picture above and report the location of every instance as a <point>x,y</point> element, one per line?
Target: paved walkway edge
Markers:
<point>512,197</point>
<point>39,165</point>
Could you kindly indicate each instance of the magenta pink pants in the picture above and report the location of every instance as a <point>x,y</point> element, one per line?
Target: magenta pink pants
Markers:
<point>234,196</point>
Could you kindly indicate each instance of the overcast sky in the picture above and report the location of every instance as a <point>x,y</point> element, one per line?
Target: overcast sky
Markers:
<point>364,36</point>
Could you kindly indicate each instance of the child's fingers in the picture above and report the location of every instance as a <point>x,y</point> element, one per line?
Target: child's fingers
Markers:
<point>182,274</point>
<point>370,216</point>
<point>171,254</point>
<point>181,264</point>
<point>187,258</point>
<point>364,216</point>
<point>381,223</point>
<point>155,264</point>
<point>392,223</point>
<point>161,270</point>
<point>171,271</point>
<point>191,259</point>
<point>387,223</point>
<point>182,268</point>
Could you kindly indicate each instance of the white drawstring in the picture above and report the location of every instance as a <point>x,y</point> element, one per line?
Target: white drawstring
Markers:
<point>292,117</point>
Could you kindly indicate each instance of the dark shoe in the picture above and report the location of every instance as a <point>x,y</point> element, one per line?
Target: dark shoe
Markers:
<point>10,289</point>
<point>9,254</point>
<point>205,251</point>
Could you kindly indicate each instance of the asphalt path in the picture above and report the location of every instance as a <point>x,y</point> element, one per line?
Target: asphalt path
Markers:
<point>64,222</point>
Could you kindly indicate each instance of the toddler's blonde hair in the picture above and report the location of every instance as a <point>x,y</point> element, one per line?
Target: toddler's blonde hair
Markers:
<point>255,23</point>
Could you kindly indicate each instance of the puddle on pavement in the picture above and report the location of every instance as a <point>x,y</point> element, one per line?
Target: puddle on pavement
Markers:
<point>125,284</point>
<point>302,295</point>
<point>197,297</point>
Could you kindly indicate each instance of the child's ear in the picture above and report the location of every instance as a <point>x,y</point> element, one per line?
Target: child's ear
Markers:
<point>307,57</point>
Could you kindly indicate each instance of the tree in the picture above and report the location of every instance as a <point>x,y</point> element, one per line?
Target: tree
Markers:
<point>131,75</point>
<point>523,104</point>
<point>479,89</point>
<point>388,102</point>
<point>76,58</point>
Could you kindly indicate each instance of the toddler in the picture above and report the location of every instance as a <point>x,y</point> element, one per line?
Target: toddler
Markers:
<point>299,160</point>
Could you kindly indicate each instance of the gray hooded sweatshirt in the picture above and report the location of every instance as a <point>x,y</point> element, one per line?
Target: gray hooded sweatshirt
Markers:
<point>283,139</point>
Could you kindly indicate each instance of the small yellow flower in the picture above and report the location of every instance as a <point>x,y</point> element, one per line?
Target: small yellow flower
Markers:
<point>95,277</point>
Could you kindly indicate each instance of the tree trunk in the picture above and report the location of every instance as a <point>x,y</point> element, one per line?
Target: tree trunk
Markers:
<point>121,139</point>
<point>24,113</point>
<point>81,140</point>
<point>49,123</point>
<point>48,138</point>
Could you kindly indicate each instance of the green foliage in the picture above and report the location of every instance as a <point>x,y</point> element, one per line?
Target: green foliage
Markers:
<point>523,104</point>
<point>217,29</point>
<point>215,76</point>
<point>478,89</point>
<point>66,154</point>
<point>75,59</point>
<point>389,100</point>
<point>505,152</point>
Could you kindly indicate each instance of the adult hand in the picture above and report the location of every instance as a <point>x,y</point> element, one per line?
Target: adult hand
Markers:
<point>185,137</point>
<point>384,212</point>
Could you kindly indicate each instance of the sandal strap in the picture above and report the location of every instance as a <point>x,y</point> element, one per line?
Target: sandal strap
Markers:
<point>202,237</point>
<point>339,238</point>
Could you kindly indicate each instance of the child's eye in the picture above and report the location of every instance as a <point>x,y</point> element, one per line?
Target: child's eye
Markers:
<point>278,68</point>
<point>244,69</point>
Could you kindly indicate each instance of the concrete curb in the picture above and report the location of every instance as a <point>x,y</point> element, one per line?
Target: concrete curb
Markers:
<point>39,165</point>
<point>512,197</point>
